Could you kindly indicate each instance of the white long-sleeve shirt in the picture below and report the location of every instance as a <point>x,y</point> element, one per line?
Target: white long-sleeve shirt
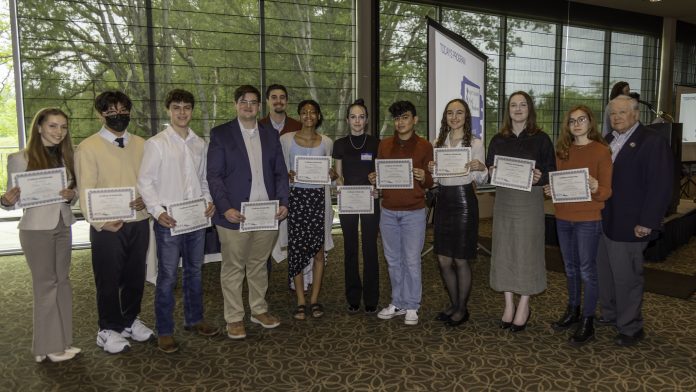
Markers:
<point>173,169</point>
<point>479,177</point>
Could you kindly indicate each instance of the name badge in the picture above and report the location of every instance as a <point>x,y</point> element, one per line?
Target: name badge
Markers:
<point>366,156</point>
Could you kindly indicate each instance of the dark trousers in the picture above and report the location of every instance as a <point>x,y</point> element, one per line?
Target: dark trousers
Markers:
<point>368,289</point>
<point>118,262</point>
<point>620,277</point>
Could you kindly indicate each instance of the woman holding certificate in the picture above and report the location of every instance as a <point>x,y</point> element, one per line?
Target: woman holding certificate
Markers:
<point>354,158</point>
<point>525,155</point>
<point>579,224</point>
<point>456,211</point>
<point>45,235</point>
<point>309,176</point>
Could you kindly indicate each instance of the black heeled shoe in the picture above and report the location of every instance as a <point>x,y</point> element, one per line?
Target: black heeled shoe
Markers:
<point>518,328</point>
<point>442,316</point>
<point>455,323</point>
<point>507,324</point>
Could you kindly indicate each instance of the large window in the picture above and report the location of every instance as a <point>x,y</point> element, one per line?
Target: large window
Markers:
<point>559,64</point>
<point>72,50</point>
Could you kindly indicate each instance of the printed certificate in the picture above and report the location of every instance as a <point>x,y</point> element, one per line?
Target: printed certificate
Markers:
<point>259,215</point>
<point>40,187</point>
<point>312,170</point>
<point>355,200</point>
<point>110,204</point>
<point>189,215</point>
<point>513,173</point>
<point>570,186</point>
<point>451,162</point>
<point>394,173</point>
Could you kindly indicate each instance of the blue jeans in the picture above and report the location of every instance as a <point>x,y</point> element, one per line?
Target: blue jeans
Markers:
<point>579,242</point>
<point>403,236</point>
<point>189,247</point>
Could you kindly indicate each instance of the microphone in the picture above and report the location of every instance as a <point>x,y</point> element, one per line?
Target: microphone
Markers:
<point>636,96</point>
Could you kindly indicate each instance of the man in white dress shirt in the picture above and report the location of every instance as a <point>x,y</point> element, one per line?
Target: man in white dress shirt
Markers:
<point>174,170</point>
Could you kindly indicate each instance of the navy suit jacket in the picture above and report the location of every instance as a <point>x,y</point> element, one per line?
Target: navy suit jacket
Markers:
<point>641,186</point>
<point>229,171</point>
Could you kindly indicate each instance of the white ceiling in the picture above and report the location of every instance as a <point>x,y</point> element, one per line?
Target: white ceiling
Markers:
<point>684,10</point>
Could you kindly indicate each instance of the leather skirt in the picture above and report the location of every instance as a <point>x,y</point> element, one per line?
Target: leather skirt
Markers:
<point>456,222</point>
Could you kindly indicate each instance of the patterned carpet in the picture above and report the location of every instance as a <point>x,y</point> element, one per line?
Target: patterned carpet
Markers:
<point>342,352</point>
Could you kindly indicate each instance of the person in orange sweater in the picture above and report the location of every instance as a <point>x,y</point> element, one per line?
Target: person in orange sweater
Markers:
<point>579,224</point>
<point>403,214</point>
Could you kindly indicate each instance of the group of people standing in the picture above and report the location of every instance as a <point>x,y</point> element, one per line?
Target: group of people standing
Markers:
<point>250,160</point>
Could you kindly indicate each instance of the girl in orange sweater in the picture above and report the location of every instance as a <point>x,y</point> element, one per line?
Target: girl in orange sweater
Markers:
<point>579,224</point>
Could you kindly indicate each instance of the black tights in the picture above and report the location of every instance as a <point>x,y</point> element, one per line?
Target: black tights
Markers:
<point>456,275</point>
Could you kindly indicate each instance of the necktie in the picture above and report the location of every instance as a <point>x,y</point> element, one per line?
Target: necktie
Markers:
<point>119,140</point>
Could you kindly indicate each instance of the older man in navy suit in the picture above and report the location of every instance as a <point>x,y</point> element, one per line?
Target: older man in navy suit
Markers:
<point>641,191</point>
<point>245,164</point>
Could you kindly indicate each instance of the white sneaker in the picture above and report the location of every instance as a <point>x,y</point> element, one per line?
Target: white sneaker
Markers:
<point>411,317</point>
<point>112,342</point>
<point>389,312</point>
<point>138,332</point>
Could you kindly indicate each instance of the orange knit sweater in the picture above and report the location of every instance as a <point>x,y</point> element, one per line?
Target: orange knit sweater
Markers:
<point>597,158</point>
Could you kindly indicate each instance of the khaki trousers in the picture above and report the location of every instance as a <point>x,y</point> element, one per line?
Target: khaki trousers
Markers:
<point>244,254</point>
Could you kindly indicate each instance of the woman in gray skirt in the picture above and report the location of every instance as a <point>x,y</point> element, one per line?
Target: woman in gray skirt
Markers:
<point>517,262</point>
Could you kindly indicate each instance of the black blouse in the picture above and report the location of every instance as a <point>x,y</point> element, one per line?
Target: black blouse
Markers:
<point>537,147</point>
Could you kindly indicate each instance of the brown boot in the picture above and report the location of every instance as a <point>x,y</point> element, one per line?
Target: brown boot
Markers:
<point>204,329</point>
<point>167,344</point>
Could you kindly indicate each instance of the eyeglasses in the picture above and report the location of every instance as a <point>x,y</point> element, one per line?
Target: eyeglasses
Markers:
<point>580,121</point>
<point>244,102</point>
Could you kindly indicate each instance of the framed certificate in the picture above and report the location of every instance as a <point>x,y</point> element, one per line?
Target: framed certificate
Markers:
<point>451,162</point>
<point>40,187</point>
<point>259,215</point>
<point>110,204</point>
<point>513,173</point>
<point>394,173</point>
<point>355,200</point>
<point>312,169</point>
<point>189,215</point>
<point>570,186</point>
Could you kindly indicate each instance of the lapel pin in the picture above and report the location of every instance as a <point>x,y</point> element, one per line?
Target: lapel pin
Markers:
<point>632,144</point>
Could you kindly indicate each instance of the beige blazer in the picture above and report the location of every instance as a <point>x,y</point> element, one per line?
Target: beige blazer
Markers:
<point>41,217</point>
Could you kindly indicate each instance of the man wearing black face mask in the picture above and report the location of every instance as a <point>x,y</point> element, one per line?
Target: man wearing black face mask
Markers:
<point>111,159</point>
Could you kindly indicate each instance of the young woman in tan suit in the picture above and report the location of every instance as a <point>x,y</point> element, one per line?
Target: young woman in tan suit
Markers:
<point>45,235</point>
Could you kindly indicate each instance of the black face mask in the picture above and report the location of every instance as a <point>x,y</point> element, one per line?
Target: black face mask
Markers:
<point>118,122</point>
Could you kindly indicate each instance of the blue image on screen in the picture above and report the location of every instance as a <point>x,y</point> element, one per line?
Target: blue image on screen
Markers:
<point>471,94</point>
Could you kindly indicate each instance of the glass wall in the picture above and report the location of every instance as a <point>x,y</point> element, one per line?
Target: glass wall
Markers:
<point>73,50</point>
<point>559,64</point>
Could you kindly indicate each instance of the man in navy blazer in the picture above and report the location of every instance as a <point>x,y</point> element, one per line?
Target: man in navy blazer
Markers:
<point>641,192</point>
<point>245,164</point>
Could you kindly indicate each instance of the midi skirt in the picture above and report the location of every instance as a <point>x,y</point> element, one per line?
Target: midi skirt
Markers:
<point>305,227</point>
<point>456,222</point>
<point>517,261</point>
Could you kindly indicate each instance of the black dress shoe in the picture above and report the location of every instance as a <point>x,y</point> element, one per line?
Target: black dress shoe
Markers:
<point>569,318</point>
<point>442,316</point>
<point>629,340</point>
<point>603,322</point>
<point>505,324</point>
<point>519,328</point>
<point>584,333</point>
<point>455,323</point>
<point>352,309</point>
<point>370,309</point>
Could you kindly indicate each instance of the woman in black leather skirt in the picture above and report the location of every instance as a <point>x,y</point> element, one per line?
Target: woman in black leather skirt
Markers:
<point>456,211</point>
